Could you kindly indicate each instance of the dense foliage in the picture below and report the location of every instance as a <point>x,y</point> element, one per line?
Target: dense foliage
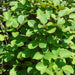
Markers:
<point>37,37</point>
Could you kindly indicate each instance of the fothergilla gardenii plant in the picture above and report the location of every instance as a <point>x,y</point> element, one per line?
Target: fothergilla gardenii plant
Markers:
<point>37,37</point>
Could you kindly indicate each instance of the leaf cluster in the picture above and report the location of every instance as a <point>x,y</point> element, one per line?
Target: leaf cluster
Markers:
<point>37,37</point>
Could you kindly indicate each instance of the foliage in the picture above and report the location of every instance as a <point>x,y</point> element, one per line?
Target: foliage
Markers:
<point>37,37</point>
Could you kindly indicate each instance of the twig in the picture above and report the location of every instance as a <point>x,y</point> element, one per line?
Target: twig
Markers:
<point>22,35</point>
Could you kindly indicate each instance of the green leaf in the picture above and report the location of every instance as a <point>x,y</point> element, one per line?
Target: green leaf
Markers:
<point>21,19</point>
<point>60,73</point>
<point>12,3</point>
<point>33,44</point>
<point>31,23</point>
<point>49,24</point>
<point>18,41</point>
<point>40,25</point>
<point>56,2</point>
<point>23,1</point>
<point>64,12</point>
<point>29,33</point>
<point>29,69</point>
<point>60,21</point>
<point>7,15</point>
<point>66,29</point>
<point>72,46</point>
<point>15,34</point>
<point>49,12</point>
<point>51,30</point>
<point>42,17</point>
<point>12,23</point>
<point>15,23</point>
<point>39,11</point>
<point>73,61</point>
<point>19,44</point>
<point>53,16</point>
<point>41,67</point>
<point>20,55</point>
<point>55,67</point>
<point>68,68</point>
<point>55,54</point>
<point>72,27</point>
<point>48,55</point>
<point>42,43</point>
<point>9,23</point>
<point>73,9</point>
<point>49,72</point>
<point>13,72</point>
<point>2,37</point>
<point>72,15</point>
<point>65,53</point>
<point>38,55</point>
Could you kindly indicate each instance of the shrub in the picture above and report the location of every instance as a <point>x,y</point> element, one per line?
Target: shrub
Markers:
<point>37,37</point>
